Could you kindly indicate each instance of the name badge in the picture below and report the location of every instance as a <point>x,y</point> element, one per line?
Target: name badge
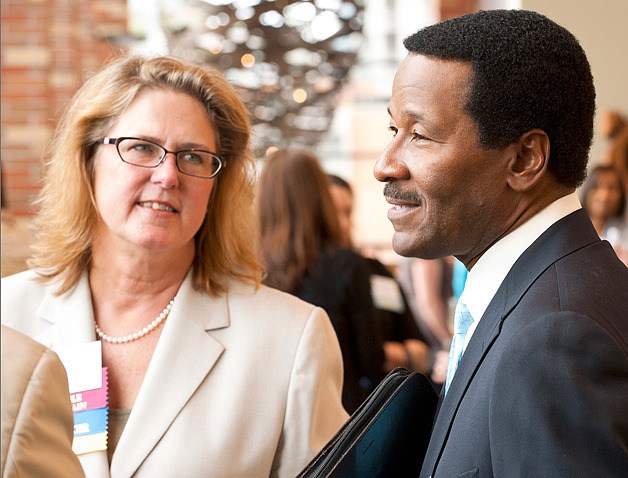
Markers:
<point>386,294</point>
<point>89,395</point>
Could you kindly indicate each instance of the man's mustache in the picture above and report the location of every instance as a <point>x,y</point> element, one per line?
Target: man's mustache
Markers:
<point>394,191</point>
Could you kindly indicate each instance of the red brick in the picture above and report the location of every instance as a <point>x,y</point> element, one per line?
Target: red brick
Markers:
<point>35,97</point>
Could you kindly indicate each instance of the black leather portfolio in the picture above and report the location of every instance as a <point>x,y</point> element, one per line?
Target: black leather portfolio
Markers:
<point>387,436</point>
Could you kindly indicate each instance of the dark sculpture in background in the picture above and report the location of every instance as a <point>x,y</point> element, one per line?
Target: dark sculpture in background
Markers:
<point>287,58</point>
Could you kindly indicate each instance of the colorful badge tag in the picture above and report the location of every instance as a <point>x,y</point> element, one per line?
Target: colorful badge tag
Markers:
<point>89,395</point>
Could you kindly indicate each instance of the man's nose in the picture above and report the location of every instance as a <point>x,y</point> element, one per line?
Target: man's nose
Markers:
<point>389,166</point>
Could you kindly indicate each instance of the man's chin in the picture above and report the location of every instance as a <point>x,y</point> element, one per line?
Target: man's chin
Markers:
<point>402,245</point>
<point>406,245</point>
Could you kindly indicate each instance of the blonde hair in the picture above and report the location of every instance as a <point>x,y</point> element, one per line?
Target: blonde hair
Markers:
<point>225,243</point>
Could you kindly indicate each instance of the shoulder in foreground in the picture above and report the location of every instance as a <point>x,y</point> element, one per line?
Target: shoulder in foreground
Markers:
<point>21,282</point>
<point>14,341</point>
<point>268,296</point>
<point>21,293</point>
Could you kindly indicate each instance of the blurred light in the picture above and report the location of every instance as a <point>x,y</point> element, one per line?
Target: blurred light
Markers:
<point>238,33</point>
<point>328,4</point>
<point>347,11</point>
<point>348,43</point>
<point>216,21</point>
<point>286,58</point>
<point>302,56</point>
<point>325,25</point>
<point>256,42</point>
<point>218,2</point>
<point>245,3</point>
<point>299,95</point>
<point>326,68</point>
<point>244,13</point>
<point>299,12</point>
<point>271,18</point>
<point>271,150</point>
<point>247,60</point>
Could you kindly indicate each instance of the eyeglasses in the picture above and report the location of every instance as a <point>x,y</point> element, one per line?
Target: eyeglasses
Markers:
<point>147,154</point>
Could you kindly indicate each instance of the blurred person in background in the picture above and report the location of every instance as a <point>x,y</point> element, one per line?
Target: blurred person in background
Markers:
<point>404,345</point>
<point>146,242</point>
<point>303,250</point>
<point>613,127</point>
<point>604,198</point>
<point>428,287</point>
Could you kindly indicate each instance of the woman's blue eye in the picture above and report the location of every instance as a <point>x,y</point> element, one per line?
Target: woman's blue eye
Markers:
<point>144,147</point>
<point>191,157</point>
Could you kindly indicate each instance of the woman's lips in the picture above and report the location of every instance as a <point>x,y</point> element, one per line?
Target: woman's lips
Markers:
<point>157,206</point>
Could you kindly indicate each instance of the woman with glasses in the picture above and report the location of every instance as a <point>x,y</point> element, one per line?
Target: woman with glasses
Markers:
<point>146,243</point>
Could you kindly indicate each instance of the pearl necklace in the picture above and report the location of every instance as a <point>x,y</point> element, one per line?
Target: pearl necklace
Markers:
<point>139,334</point>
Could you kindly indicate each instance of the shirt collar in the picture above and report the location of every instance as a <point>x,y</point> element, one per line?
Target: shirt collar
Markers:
<point>490,270</point>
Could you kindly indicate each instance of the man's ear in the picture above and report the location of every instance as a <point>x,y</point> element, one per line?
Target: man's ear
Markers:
<point>530,161</point>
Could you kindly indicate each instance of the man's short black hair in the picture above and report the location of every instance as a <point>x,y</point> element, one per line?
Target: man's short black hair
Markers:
<point>528,72</point>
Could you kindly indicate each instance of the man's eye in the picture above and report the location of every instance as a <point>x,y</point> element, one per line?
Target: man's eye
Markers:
<point>393,129</point>
<point>417,135</point>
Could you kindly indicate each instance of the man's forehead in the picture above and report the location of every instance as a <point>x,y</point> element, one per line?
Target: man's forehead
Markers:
<point>422,78</point>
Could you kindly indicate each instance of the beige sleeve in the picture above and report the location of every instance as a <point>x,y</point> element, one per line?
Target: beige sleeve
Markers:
<point>36,411</point>
<point>314,412</point>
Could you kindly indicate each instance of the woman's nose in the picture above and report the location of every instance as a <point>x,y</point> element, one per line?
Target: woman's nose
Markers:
<point>167,173</point>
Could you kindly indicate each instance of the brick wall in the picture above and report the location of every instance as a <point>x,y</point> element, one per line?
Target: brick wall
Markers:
<point>48,48</point>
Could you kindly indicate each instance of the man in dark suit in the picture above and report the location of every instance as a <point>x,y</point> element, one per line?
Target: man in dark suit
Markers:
<point>492,120</point>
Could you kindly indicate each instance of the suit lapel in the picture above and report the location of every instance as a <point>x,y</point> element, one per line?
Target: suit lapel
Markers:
<point>70,316</point>
<point>71,320</point>
<point>564,237</point>
<point>182,359</point>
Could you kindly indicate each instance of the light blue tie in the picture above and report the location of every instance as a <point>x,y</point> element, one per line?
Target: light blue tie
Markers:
<point>462,321</point>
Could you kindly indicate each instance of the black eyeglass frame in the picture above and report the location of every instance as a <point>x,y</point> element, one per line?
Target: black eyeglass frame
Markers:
<point>116,142</point>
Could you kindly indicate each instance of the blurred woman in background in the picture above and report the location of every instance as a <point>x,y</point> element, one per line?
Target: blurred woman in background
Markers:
<point>404,345</point>
<point>303,252</point>
<point>604,198</point>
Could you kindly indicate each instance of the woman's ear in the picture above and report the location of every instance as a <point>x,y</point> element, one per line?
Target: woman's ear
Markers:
<point>529,163</point>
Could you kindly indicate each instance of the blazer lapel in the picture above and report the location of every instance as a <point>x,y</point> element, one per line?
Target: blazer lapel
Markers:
<point>71,320</point>
<point>184,346</point>
<point>564,237</point>
<point>70,316</point>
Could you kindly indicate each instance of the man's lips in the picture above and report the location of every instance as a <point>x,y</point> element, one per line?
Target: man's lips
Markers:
<point>157,206</point>
<point>404,203</point>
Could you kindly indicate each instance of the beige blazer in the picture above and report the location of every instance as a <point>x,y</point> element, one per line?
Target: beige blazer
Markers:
<point>37,419</point>
<point>245,385</point>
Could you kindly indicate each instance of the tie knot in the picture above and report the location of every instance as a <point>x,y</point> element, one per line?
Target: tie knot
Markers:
<point>462,318</point>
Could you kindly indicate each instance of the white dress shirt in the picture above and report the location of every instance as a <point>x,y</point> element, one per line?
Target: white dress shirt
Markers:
<point>487,275</point>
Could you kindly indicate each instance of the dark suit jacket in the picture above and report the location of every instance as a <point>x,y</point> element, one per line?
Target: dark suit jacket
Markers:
<point>542,389</point>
